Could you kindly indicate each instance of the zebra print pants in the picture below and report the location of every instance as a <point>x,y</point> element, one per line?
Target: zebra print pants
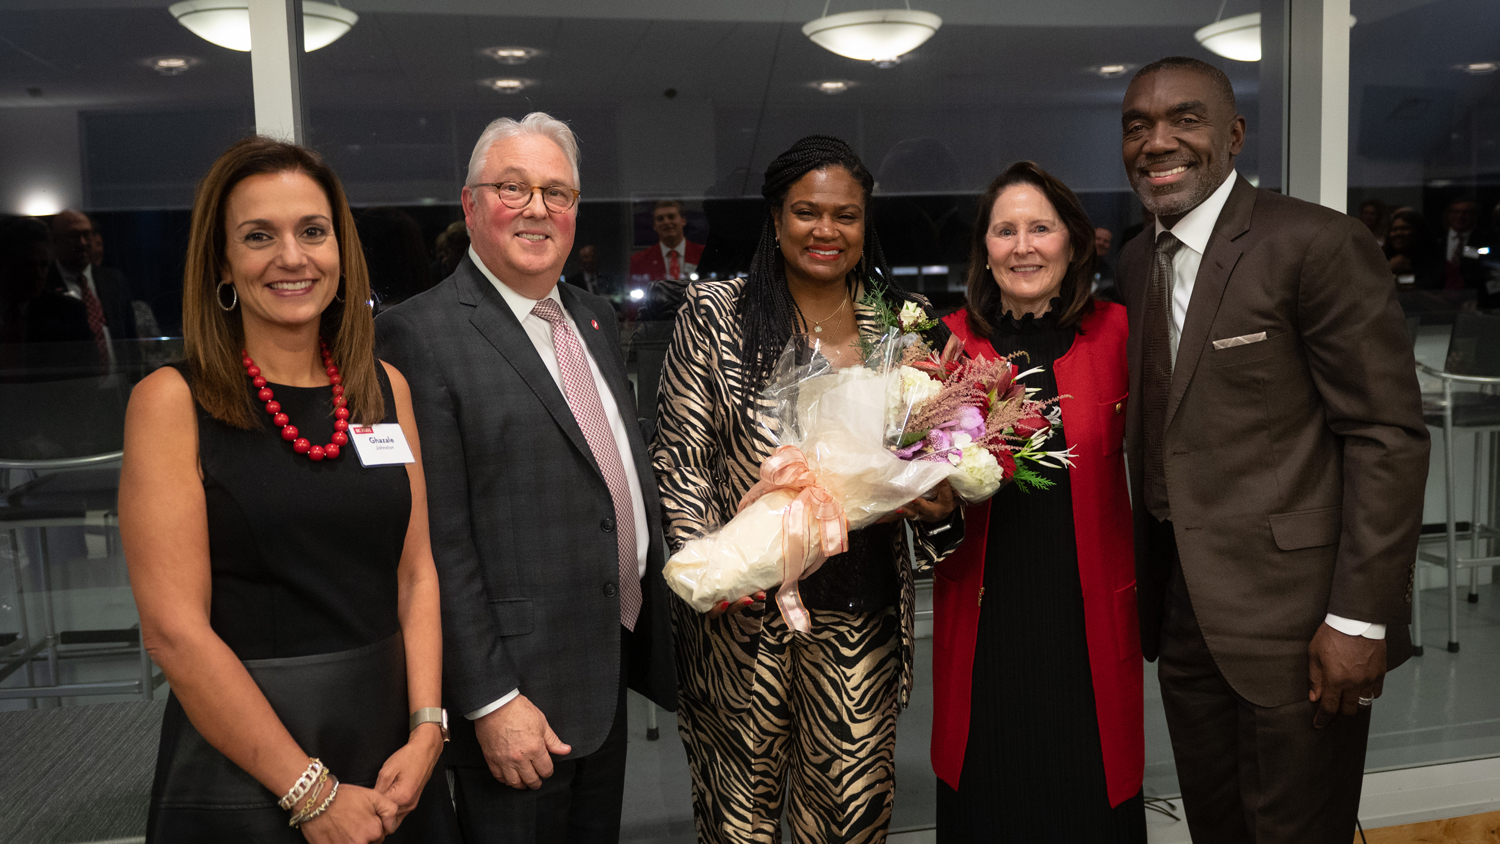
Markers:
<point>771,718</point>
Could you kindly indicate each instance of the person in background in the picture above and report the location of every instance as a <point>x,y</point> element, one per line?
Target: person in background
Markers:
<point>103,291</point>
<point>588,276</point>
<point>145,318</point>
<point>29,311</point>
<point>1409,252</point>
<point>673,256</point>
<point>776,722</point>
<point>1463,264</point>
<point>1103,285</point>
<point>285,585</point>
<point>451,247</point>
<point>1277,460</point>
<point>1376,217</point>
<point>1043,588</point>
<point>546,524</point>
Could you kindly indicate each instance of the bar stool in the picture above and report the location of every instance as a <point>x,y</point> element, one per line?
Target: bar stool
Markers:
<point>1473,359</point>
<point>60,446</point>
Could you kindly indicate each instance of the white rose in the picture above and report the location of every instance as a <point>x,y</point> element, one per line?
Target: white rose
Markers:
<point>978,475</point>
<point>917,386</point>
<point>911,315</point>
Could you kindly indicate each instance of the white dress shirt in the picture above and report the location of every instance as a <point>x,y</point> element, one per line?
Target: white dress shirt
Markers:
<point>1195,230</point>
<point>540,333</point>
<point>74,284</point>
<point>1456,243</point>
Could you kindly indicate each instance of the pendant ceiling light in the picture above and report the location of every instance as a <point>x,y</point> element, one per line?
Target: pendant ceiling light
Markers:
<point>227,22</point>
<point>881,36</point>
<point>1236,38</point>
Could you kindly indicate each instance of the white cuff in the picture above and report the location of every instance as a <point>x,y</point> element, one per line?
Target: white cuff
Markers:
<point>485,710</point>
<point>1350,627</point>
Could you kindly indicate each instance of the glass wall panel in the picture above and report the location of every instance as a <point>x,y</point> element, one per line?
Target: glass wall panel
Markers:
<point>1424,174</point>
<point>109,114</point>
<point>690,102</point>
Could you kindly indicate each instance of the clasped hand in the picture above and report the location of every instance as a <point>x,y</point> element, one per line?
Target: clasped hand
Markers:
<point>518,744</point>
<point>1341,670</point>
<point>366,816</point>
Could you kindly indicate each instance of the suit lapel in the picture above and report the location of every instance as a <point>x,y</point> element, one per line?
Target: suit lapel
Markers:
<point>494,319</point>
<point>605,355</point>
<point>1208,288</point>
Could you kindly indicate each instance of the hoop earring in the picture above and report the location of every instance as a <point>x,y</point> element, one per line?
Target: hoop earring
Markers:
<point>219,294</point>
<point>338,294</point>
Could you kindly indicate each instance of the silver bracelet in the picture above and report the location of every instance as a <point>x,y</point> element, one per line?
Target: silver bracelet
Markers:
<point>301,815</point>
<point>303,783</point>
<point>322,807</point>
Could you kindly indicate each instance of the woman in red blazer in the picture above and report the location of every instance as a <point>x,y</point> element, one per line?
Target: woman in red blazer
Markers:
<point>1037,728</point>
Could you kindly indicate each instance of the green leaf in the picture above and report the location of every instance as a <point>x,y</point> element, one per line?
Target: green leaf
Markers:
<point>911,437</point>
<point>1026,479</point>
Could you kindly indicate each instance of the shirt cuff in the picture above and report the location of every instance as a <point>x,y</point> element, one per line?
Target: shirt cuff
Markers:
<point>1350,627</point>
<point>485,710</point>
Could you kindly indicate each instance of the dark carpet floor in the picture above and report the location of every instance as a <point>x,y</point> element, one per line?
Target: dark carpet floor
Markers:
<point>66,779</point>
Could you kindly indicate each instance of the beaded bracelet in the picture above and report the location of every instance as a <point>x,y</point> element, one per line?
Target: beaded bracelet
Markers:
<point>301,815</point>
<point>323,807</point>
<point>303,783</point>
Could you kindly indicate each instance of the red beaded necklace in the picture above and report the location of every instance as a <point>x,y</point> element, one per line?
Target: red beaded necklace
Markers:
<point>288,430</point>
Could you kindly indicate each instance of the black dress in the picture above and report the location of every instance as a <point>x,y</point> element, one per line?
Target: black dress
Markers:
<point>304,561</point>
<point>1033,769</point>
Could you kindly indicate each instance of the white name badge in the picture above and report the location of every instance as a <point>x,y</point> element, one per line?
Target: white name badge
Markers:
<point>380,445</point>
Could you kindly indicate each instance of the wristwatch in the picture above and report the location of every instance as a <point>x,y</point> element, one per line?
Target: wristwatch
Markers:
<point>431,715</point>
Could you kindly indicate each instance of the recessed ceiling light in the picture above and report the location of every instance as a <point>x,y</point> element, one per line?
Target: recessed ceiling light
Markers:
<point>511,55</point>
<point>1111,71</point>
<point>1478,68</point>
<point>171,65</point>
<point>507,85</point>
<point>831,86</point>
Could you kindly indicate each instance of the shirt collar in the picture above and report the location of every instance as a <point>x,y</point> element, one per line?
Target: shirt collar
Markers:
<point>680,248</point>
<point>76,278</point>
<point>520,305</point>
<point>1197,226</point>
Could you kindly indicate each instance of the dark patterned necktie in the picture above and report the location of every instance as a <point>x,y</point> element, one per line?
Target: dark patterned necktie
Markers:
<point>588,410</point>
<point>95,312</point>
<point>1157,328</point>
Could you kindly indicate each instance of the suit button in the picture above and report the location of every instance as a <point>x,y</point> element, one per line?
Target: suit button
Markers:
<point>608,525</point>
<point>610,591</point>
<point>1119,406</point>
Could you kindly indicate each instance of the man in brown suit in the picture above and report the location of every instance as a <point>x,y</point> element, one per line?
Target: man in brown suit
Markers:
<point>1277,458</point>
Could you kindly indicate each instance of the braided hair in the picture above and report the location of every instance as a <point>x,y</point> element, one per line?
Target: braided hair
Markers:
<point>767,310</point>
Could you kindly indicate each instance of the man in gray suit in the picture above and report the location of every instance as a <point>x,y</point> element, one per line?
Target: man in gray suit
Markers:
<point>1277,458</point>
<point>544,513</point>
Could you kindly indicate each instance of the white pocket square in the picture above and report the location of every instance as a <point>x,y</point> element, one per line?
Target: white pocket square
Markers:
<point>1242,340</point>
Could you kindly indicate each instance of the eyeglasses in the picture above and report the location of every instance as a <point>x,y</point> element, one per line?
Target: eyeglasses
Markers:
<point>557,198</point>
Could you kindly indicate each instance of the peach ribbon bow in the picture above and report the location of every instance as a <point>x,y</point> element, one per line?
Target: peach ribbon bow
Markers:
<point>813,526</point>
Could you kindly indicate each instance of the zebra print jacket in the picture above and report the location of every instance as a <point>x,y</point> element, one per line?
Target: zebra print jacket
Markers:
<point>711,440</point>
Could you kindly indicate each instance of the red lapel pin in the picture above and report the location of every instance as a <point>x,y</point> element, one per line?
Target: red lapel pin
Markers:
<point>594,323</point>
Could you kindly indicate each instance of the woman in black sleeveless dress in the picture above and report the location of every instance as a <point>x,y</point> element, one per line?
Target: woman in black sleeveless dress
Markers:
<point>285,582</point>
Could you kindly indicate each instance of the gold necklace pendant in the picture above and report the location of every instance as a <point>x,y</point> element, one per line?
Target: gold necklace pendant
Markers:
<point>818,323</point>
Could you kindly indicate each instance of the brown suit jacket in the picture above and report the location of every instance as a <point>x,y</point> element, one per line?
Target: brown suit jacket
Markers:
<point>1295,465</point>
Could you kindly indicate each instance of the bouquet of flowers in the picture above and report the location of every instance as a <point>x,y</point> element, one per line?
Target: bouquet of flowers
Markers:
<point>973,414</point>
<point>853,445</point>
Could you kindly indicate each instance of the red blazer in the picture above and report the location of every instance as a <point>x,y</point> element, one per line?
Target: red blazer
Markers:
<point>648,265</point>
<point>1093,376</point>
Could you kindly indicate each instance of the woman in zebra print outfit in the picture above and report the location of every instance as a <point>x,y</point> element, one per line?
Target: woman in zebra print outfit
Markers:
<point>770,717</point>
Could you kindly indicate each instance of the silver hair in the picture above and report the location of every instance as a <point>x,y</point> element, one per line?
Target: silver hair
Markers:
<point>535,123</point>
